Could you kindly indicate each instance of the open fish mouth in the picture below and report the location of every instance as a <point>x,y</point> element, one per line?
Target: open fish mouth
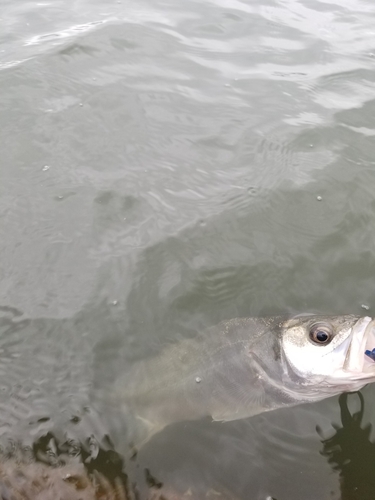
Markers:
<point>360,357</point>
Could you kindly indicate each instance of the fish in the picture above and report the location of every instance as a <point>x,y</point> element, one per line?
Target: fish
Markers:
<point>246,366</point>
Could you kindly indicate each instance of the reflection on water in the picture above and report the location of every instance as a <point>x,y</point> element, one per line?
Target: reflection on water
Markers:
<point>70,470</point>
<point>66,470</point>
<point>92,470</point>
<point>351,453</point>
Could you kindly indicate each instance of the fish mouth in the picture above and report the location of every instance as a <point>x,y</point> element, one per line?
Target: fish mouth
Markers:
<point>359,359</point>
<point>369,353</point>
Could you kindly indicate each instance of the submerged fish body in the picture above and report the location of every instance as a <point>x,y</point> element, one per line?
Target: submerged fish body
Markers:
<point>246,366</point>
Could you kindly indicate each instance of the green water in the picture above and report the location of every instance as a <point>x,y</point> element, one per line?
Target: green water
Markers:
<point>165,166</point>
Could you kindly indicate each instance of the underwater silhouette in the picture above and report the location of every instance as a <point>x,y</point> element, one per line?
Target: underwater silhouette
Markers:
<point>351,452</point>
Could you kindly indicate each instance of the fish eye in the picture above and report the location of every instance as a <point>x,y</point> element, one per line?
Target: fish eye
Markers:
<point>321,333</point>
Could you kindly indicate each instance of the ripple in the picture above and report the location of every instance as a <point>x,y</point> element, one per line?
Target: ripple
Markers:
<point>221,160</point>
<point>57,36</point>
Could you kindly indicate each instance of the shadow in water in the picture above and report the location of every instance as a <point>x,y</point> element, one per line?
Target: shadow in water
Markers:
<point>351,453</point>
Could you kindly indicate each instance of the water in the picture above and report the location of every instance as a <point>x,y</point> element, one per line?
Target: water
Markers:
<point>206,160</point>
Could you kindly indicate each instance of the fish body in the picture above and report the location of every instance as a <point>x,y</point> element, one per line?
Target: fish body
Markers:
<point>246,366</point>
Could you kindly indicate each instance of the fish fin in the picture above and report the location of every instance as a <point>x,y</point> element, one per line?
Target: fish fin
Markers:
<point>145,430</point>
<point>244,404</point>
<point>128,429</point>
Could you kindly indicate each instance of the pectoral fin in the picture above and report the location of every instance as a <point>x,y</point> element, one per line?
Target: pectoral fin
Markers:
<point>244,402</point>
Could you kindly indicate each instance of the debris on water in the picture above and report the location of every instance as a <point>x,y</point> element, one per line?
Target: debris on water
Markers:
<point>198,380</point>
<point>45,168</point>
<point>365,307</point>
<point>114,302</point>
<point>319,198</point>
<point>370,354</point>
<point>81,103</point>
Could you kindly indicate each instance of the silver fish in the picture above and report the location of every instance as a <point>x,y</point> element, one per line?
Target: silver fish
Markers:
<point>246,366</point>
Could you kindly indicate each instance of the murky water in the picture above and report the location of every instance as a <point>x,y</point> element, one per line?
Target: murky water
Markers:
<point>167,165</point>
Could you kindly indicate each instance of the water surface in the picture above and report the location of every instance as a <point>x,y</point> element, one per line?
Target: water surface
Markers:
<point>166,166</point>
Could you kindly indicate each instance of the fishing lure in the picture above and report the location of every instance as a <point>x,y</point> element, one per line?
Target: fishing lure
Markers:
<point>370,354</point>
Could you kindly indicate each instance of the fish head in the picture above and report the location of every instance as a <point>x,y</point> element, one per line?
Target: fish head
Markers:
<point>328,354</point>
